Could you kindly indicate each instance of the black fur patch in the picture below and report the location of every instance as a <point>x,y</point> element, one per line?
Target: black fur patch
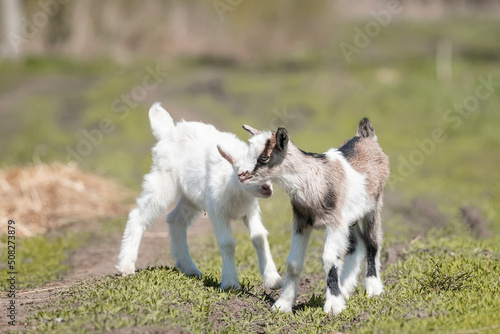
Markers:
<point>330,199</point>
<point>352,243</point>
<point>276,157</point>
<point>349,148</point>
<point>302,217</point>
<point>332,281</point>
<point>313,155</point>
<point>371,252</point>
<point>282,139</point>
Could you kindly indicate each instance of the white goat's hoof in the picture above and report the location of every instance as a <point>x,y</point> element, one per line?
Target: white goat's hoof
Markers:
<point>190,271</point>
<point>282,306</point>
<point>230,286</point>
<point>273,281</point>
<point>126,269</point>
<point>344,292</point>
<point>334,304</point>
<point>373,286</point>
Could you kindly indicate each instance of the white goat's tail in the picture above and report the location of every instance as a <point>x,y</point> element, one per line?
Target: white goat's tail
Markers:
<point>162,123</point>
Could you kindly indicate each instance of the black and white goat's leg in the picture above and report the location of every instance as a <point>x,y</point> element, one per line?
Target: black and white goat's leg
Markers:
<point>178,221</point>
<point>352,261</point>
<point>336,243</point>
<point>372,235</point>
<point>227,247</point>
<point>295,263</point>
<point>258,235</point>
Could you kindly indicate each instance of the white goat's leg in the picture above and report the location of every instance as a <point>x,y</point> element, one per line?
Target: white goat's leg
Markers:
<point>372,233</point>
<point>159,191</point>
<point>178,221</point>
<point>295,263</point>
<point>352,261</point>
<point>227,247</point>
<point>336,238</point>
<point>258,235</point>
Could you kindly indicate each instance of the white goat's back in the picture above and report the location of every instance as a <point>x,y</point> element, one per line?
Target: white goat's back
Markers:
<point>191,150</point>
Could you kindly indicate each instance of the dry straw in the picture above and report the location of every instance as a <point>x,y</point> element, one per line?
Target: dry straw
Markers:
<point>42,197</point>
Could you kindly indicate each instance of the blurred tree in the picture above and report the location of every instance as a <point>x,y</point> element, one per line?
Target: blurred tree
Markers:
<point>234,30</point>
<point>11,21</point>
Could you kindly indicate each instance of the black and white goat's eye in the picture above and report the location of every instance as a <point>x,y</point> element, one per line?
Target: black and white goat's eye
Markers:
<point>264,158</point>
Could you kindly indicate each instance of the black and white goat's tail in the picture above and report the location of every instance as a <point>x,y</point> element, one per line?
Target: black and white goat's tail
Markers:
<point>162,123</point>
<point>365,129</point>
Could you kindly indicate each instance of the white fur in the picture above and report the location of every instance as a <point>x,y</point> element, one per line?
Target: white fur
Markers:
<point>334,304</point>
<point>356,201</point>
<point>187,163</point>
<point>295,263</point>
<point>373,286</point>
<point>352,264</point>
<point>335,244</point>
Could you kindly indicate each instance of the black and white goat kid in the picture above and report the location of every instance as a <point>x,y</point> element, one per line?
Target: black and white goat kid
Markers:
<point>340,191</point>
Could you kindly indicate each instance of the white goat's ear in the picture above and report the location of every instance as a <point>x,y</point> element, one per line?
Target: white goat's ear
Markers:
<point>251,130</point>
<point>225,155</point>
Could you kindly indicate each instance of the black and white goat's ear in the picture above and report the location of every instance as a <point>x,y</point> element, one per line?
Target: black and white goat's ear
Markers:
<point>225,155</point>
<point>251,130</point>
<point>282,138</point>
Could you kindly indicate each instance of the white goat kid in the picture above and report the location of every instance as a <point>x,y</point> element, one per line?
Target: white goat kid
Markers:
<point>340,191</point>
<point>198,163</point>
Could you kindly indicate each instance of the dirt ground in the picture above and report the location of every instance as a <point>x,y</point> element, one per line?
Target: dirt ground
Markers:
<point>98,259</point>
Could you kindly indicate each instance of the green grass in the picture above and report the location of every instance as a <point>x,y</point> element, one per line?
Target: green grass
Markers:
<point>39,259</point>
<point>425,291</point>
<point>418,297</point>
<point>447,281</point>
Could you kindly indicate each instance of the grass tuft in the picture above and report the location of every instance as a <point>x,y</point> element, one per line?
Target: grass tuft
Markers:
<point>439,279</point>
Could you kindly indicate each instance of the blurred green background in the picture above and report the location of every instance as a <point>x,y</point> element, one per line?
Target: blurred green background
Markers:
<point>413,67</point>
